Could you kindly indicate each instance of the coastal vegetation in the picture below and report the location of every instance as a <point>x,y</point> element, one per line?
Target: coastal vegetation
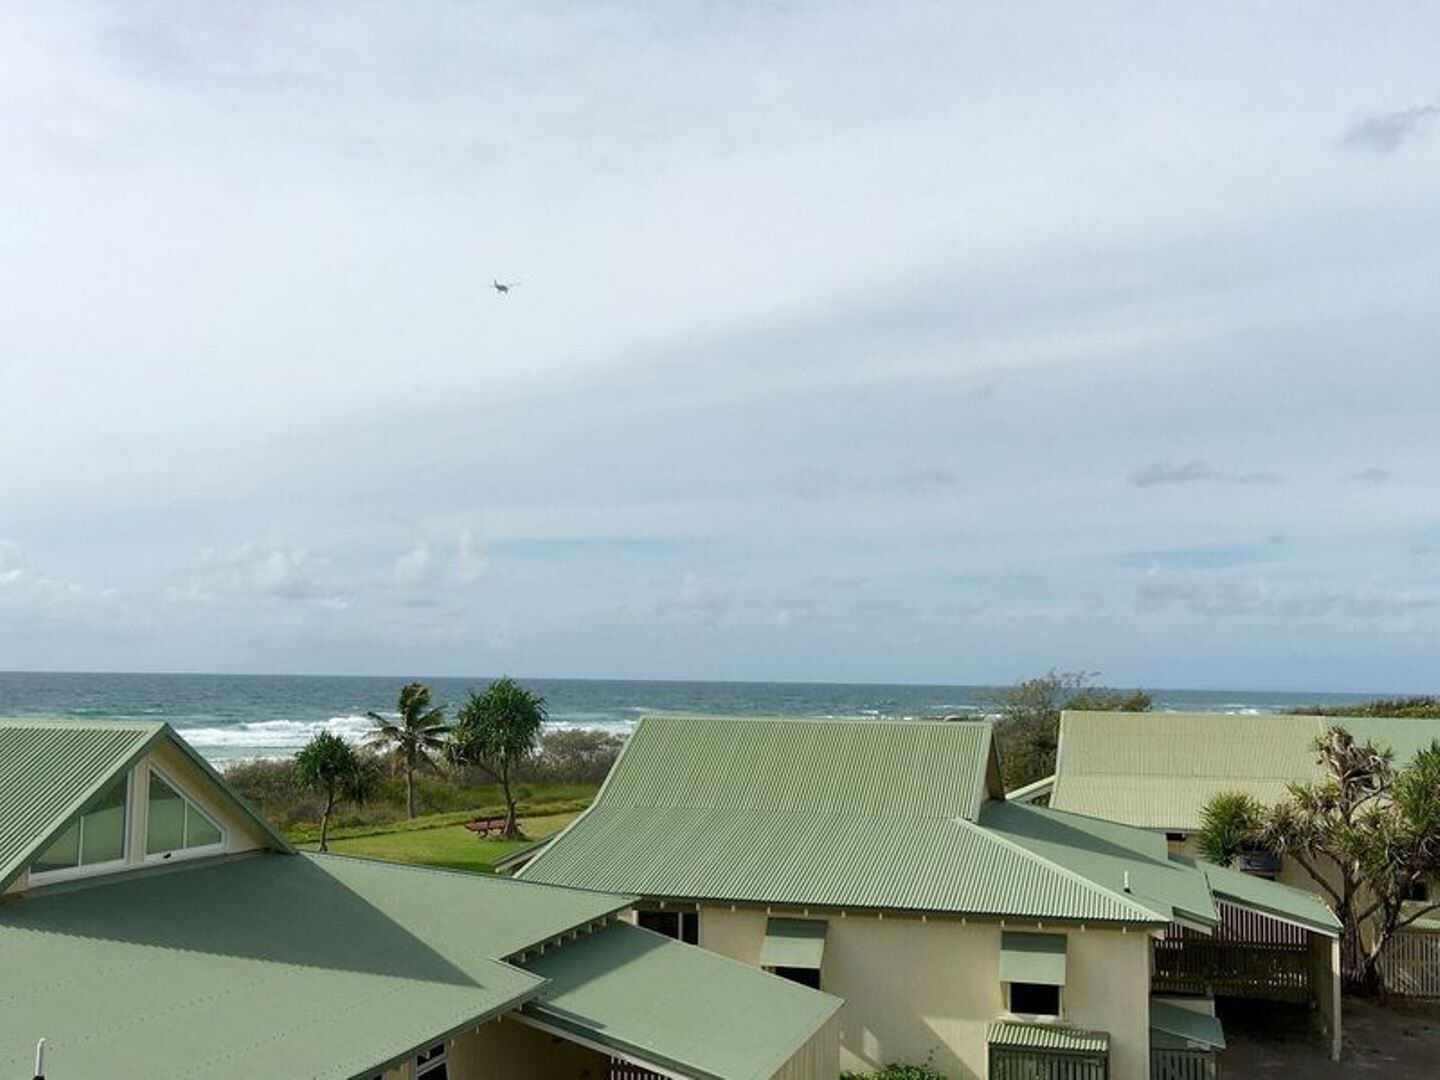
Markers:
<point>1027,725</point>
<point>327,764</point>
<point>563,774</point>
<point>1367,833</point>
<point>415,737</point>
<point>496,732</point>
<point>440,840</point>
<point>1425,707</point>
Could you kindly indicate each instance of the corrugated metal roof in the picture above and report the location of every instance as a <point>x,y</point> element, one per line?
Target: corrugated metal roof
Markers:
<point>1122,858</point>
<point>797,943</point>
<point>266,965</point>
<point>49,771</point>
<point>1158,770</point>
<point>815,813</point>
<point>1186,1025</point>
<point>676,1005</point>
<point>1047,1037</point>
<point>1272,898</point>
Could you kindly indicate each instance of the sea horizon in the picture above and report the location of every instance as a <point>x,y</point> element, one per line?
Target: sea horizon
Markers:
<point>230,717</point>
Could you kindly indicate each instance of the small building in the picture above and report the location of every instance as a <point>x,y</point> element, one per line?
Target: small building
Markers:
<point>880,861</point>
<point>153,925</point>
<point>1157,771</point>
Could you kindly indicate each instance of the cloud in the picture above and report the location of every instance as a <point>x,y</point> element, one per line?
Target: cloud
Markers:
<point>1371,477</point>
<point>255,570</point>
<point>24,586</point>
<point>470,558</point>
<point>1375,602</point>
<point>1385,133</point>
<point>833,483</point>
<point>1196,472</point>
<point>416,566</point>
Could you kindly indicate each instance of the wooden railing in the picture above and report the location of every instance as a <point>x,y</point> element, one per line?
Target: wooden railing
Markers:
<point>1183,1065</point>
<point>1023,1063</point>
<point>1410,964</point>
<point>1199,965</point>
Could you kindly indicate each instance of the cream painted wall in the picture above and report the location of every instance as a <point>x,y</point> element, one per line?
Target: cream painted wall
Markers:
<point>924,992</point>
<point>506,1049</point>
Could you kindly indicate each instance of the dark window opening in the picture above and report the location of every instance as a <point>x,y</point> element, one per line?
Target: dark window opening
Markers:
<point>1418,890</point>
<point>680,925</point>
<point>804,976</point>
<point>1034,999</point>
<point>1175,837</point>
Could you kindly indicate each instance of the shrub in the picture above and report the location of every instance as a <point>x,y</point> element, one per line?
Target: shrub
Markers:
<point>897,1072</point>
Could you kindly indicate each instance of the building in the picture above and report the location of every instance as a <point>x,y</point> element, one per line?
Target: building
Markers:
<point>152,925</point>
<point>880,861</point>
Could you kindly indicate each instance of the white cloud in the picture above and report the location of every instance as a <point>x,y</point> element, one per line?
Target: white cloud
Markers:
<point>1196,472</point>
<point>259,570</point>
<point>415,567</point>
<point>469,558</point>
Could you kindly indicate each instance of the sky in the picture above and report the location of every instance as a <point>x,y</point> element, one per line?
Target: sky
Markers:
<point>852,341</point>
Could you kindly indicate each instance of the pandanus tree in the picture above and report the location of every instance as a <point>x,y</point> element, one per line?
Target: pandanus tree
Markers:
<point>1367,833</point>
<point>496,731</point>
<point>330,765</point>
<point>413,738</point>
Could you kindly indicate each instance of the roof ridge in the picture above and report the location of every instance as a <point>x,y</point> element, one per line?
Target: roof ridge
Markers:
<point>1066,872</point>
<point>82,723</point>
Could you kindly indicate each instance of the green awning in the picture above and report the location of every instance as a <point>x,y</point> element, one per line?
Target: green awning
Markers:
<point>1285,902</point>
<point>1056,1037</point>
<point>793,943</point>
<point>1190,1028</point>
<point>1032,958</point>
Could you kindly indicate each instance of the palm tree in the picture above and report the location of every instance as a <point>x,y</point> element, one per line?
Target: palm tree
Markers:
<point>330,765</point>
<point>419,732</point>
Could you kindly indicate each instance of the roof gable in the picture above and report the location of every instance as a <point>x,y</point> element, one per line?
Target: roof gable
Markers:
<point>50,771</point>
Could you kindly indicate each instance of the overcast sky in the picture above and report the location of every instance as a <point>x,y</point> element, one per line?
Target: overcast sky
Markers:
<point>892,342</point>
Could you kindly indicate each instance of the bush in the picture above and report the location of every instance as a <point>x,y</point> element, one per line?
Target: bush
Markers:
<point>897,1072</point>
<point>573,757</point>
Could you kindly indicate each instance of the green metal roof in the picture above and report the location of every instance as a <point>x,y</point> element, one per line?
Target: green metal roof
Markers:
<point>1056,1037</point>
<point>675,1005</point>
<point>1187,1026</point>
<point>1133,862</point>
<point>1272,898</point>
<point>50,770</point>
<point>1032,958</point>
<point>266,965</point>
<point>794,943</point>
<point>839,814</point>
<point>1158,770</point>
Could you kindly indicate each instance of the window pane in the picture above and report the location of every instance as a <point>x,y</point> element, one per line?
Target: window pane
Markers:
<point>165,828</point>
<point>1034,999</point>
<point>102,838</point>
<point>199,832</point>
<point>804,976</point>
<point>63,854</point>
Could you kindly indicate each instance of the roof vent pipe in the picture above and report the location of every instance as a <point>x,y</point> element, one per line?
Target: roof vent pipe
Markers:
<point>1127,880</point>
<point>40,1060</point>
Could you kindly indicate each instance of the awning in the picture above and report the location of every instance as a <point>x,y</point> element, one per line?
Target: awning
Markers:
<point>674,1007</point>
<point>1057,1037</point>
<point>1267,897</point>
<point>1182,1028</point>
<point>1032,958</point>
<point>793,943</point>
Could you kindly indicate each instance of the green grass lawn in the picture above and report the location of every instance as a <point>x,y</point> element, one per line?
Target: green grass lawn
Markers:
<point>447,844</point>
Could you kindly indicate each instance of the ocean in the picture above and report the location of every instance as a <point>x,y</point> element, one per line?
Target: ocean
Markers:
<point>235,717</point>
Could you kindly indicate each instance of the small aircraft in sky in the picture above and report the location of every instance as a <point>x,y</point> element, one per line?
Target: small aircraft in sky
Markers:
<point>503,287</point>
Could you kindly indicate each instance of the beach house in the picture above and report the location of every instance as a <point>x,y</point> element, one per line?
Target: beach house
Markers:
<point>880,861</point>
<point>152,925</point>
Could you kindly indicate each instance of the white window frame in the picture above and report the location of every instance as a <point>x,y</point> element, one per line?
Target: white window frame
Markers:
<point>1038,1018</point>
<point>192,803</point>
<point>84,870</point>
<point>435,1063</point>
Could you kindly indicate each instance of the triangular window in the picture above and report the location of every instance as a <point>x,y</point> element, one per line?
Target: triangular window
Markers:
<point>174,823</point>
<point>96,838</point>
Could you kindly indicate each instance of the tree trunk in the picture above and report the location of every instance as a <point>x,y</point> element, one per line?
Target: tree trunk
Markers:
<point>325,821</point>
<point>410,789</point>
<point>511,832</point>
